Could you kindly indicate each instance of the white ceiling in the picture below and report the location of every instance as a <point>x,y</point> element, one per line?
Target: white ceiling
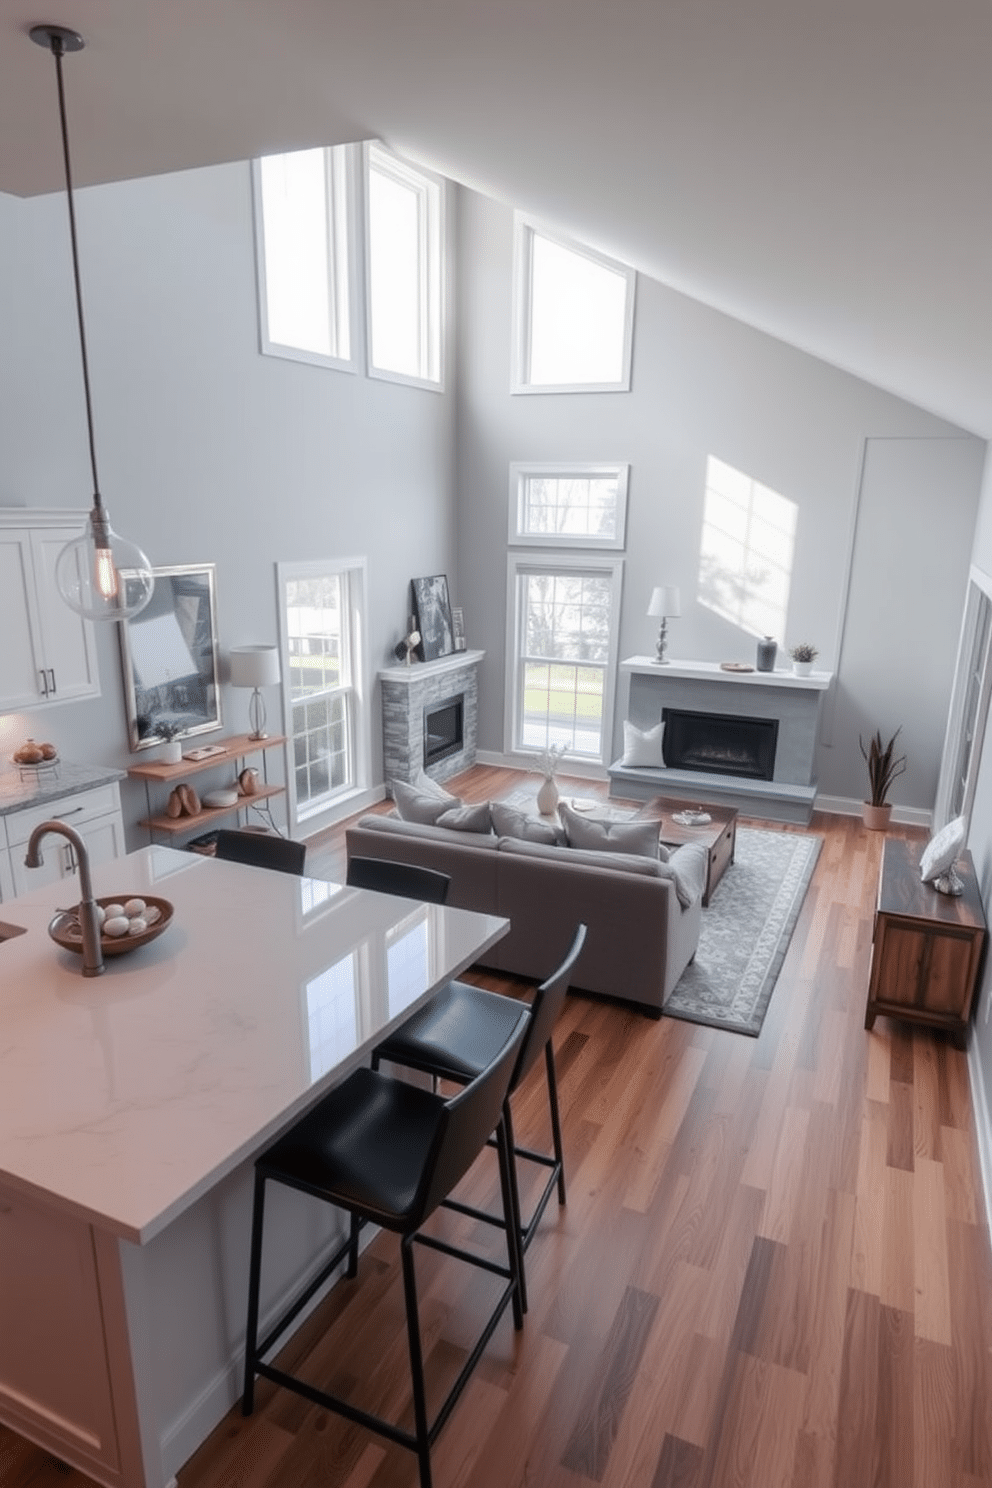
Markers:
<point>817,168</point>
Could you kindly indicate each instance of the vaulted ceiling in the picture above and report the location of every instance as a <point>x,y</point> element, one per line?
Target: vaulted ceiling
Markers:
<point>817,168</point>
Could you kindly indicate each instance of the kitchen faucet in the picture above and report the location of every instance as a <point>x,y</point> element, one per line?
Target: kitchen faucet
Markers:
<point>89,925</point>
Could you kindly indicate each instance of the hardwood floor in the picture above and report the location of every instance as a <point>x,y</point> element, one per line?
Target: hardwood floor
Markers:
<point>773,1270</point>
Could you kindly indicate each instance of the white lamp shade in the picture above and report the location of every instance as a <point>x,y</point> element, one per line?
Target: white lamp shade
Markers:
<point>665,600</point>
<point>254,666</point>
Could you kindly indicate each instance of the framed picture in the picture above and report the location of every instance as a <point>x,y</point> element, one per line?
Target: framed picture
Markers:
<point>458,627</point>
<point>169,659</point>
<point>433,611</point>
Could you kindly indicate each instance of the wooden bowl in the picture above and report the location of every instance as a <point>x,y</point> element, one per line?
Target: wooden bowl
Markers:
<point>65,931</point>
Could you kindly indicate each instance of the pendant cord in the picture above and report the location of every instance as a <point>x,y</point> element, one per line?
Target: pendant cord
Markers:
<point>57,52</point>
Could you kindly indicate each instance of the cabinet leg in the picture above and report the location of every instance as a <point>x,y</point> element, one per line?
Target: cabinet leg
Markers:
<point>869,1017</point>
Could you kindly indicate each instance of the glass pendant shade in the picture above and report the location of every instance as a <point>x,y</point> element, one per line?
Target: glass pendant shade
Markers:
<point>103,576</point>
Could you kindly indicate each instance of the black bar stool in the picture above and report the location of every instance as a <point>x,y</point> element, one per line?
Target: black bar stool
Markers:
<point>261,850</point>
<point>453,1036</point>
<point>405,879</point>
<point>389,1152</point>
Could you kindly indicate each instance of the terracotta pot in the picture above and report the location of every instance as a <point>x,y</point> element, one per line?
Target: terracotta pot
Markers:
<point>876,818</point>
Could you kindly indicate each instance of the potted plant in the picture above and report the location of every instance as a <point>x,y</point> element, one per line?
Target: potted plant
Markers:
<point>884,766</point>
<point>803,656</point>
<point>169,732</point>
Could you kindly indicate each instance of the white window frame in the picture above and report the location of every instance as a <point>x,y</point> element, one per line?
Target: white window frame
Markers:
<point>341,174</point>
<point>554,562</point>
<point>354,573</point>
<point>430,189</point>
<point>524,231</point>
<point>969,708</point>
<point>521,472</point>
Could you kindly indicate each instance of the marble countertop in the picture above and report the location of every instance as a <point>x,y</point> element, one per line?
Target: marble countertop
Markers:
<point>125,1097</point>
<point>29,788</point>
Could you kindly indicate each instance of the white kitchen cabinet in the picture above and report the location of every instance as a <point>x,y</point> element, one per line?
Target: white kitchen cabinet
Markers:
<point>96,816</point>
<point>49,652</point>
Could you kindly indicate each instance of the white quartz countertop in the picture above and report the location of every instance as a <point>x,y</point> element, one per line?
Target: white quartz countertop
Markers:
<point>125,1097</point>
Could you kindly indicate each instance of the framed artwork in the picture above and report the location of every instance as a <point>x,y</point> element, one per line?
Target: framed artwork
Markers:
<point>432,609</point>
<point>169,659</point>
<point>458,627</point>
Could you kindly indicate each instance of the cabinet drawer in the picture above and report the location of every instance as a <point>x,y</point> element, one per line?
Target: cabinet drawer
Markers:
<point>74,810</point>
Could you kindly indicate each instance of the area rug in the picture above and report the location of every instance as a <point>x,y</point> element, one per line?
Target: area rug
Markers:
<point>746,932</point>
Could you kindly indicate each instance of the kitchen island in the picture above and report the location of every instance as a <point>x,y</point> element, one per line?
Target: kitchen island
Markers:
<point>132,1106</point>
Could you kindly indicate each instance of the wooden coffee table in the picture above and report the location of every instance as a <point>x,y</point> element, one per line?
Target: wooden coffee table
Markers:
<point>718,835</point>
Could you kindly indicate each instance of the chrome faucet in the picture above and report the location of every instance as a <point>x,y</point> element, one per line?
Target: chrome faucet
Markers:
<point>89,925</point>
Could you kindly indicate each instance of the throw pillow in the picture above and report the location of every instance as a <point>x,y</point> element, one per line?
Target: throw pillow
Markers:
<point>942,851</point>
<point>642,747</point>
<point>476,818</point>
<point>607,836</point>
<point>508,821</point>
<point>422,801</point>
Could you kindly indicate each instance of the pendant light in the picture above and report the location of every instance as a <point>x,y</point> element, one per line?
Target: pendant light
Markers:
<point>101,576</point>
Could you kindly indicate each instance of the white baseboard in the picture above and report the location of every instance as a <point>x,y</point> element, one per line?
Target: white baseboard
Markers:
<point>983,1124</point>
<point>581,769</point>
<point>909,816</point>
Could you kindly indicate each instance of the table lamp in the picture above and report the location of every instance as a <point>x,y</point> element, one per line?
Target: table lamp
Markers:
<point>666,604</point>
<point>255,667</point>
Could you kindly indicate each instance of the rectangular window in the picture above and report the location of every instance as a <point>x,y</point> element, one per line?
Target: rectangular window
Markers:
<point>303,215</point>
<point>405,269</point>
<point>573,314</point>
<point>745,561</point>
<point>581,506</point>
<point>322,621</point>
<point>564,646</point>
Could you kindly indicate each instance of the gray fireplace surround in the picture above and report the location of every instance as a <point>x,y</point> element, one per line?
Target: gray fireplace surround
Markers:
<point>703,687</point>
<point>408,692</point>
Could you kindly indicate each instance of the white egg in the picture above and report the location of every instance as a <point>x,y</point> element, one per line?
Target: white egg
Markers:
<point>116,925</point>
<point>134,907</point>
<point>101,914</point>
<point>152,914</point>
<point>114,911</point>
<point>137,926</point>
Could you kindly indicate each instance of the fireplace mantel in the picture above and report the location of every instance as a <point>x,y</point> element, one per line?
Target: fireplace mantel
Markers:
<point>703,686</point>
<point>407,691</point>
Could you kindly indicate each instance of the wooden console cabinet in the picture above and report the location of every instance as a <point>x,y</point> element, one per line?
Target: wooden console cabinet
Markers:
<point>927,946</point>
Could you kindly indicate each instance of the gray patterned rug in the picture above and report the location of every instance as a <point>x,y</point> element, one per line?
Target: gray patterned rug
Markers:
<point>746,932</point>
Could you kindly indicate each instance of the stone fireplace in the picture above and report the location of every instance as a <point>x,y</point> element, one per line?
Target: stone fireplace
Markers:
<point>430,716</point>
<point>743,739</point>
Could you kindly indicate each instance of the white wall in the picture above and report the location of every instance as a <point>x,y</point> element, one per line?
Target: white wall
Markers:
<point>705,384</point>
<point>208,451</point>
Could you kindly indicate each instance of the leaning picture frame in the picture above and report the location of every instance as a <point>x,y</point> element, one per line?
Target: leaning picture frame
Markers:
<point>169,659</point>
<point>432,609</point>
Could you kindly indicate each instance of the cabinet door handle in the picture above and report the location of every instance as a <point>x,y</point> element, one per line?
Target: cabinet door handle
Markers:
<point>44,681</point>
<point>51,673</point>
<point>73,811</point>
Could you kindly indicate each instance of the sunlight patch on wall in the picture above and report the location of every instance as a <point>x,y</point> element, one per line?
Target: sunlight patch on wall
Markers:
<point>745,560</point>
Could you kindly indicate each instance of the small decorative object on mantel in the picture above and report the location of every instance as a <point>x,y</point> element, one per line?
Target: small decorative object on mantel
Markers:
<point>404,651</point>
<point>458,627</point>
<point>767,651</point>
<point>803,656</point>
<point>937,864</point>
<point>736,666</point>
<point>547,763</point>
<point>883,768</point>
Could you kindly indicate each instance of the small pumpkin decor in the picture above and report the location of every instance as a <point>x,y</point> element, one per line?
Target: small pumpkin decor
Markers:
<point>884,766</point>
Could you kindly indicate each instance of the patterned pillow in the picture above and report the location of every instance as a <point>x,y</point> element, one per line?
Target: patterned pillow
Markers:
<point>422,801</point>
<point>608,836</point>
<point>642,747</point>
<point>509,821</point>
<point>942,851</point>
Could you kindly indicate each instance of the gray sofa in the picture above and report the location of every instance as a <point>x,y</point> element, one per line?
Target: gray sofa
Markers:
<point>641,937</point>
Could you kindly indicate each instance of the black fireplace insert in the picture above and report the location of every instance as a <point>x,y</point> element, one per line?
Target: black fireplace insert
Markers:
<point>443,729</point>
<point>723,744</point>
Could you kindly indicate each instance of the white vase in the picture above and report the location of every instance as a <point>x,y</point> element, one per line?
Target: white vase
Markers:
<point>547,796</point>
